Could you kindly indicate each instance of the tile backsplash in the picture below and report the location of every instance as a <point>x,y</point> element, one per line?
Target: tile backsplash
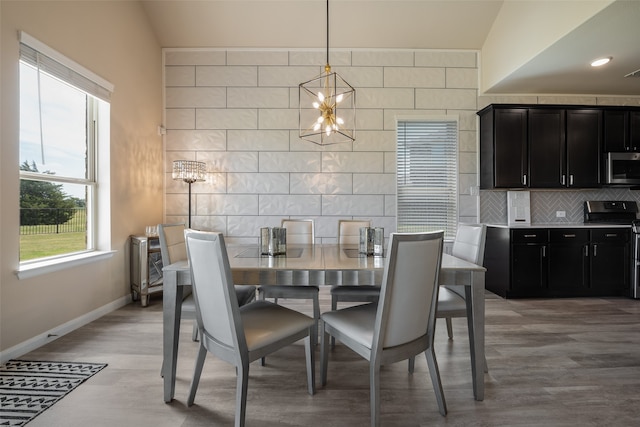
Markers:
<point>545,204</point>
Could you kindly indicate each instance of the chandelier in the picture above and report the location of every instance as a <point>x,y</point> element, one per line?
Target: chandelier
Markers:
<point>327,107</point>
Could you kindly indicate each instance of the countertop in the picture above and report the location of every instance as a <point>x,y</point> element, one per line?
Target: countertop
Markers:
<point>561,225</point>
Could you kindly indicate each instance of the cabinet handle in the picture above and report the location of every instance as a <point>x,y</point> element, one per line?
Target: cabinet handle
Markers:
<point>571,180</point>
<point>569,235</point>
<point>524,179</point>
<point>610,235</point>
<point>544,252</point>
<point>595,250</point>
<point>563,179</point>
<point>586,250</point>
<point>530,235</point>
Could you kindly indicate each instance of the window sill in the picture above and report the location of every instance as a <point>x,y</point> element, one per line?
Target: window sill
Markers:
<point>39,268</point>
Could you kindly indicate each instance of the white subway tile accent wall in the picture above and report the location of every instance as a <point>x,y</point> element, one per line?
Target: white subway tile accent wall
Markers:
<point>237,110</point>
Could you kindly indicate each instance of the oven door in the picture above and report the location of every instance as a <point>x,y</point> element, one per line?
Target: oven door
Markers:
<point>623,168</point>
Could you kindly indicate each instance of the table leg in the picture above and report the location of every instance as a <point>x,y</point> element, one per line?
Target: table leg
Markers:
<point>171,312</point>
<point>475,318</point>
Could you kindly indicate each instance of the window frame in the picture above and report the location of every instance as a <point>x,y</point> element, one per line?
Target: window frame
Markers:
<point>98,92</point>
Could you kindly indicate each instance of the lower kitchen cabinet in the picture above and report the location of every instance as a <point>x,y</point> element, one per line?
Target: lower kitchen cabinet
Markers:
<point>557,262</point>
<point>610,266</point>
<point>568,261</point>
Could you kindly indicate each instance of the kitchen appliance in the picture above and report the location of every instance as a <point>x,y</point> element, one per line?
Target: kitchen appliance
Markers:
<point>623,168</point>
<point>610,212</point>
<point>518,207</point>
<point>619,212</point>
<point>635,259</point>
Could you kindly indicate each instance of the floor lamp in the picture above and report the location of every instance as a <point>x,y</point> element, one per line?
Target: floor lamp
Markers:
<point>189,171</point>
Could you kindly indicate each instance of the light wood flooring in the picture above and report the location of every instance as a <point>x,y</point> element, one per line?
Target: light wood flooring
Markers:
<point>561,362</point>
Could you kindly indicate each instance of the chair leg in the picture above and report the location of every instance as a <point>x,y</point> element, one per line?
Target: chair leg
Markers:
<point>449,328</point>
<point>194,333</point>
<point>309,351</point>
<point>435,380</point>
<point>412,364</point>
<point>334,307</point>
<point>316,318</point>
<point>242,384</point>
<point>324,352</point>
<point>374,390</point>
<point>202,354</point>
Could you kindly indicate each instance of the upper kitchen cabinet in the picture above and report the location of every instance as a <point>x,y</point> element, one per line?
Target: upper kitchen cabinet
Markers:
<point>621,130</point>
<point>540,146</point>
<point>503,147</point>
<point>584,144</point>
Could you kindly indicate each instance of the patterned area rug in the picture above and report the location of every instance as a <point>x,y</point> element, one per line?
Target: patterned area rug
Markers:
<point>27,388</point>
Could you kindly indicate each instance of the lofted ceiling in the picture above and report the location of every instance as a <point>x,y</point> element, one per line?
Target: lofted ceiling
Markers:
<point>559,66</point>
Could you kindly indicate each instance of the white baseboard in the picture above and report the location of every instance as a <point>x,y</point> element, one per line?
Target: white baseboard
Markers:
<point>55,333</point>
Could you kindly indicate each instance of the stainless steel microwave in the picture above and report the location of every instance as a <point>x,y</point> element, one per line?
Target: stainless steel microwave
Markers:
<point>623,168</point>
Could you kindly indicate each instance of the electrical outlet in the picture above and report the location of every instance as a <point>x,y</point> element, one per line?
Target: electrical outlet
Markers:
<point>561,214</point>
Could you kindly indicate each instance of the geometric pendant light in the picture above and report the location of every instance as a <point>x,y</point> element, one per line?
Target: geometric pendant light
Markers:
<point>327,107</point>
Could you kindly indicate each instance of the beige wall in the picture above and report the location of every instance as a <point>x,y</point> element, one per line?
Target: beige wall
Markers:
<point>113,40</point>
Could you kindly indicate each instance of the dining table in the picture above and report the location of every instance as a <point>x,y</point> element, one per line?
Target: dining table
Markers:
<point>322,265</point>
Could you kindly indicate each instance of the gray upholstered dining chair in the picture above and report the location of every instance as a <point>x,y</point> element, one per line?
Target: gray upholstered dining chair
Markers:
<point>468,245</point>
<point>173,249</point>
<point>299,232</point>
<point>402,324</point>
<point>349,234</point>
<point>237,335</point>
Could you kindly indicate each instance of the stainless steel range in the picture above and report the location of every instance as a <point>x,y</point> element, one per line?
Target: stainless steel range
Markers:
<point>619,212</point>
<point>635,259</point>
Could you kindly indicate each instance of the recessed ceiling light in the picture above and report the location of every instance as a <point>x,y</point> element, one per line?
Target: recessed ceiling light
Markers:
<point>600,62</point>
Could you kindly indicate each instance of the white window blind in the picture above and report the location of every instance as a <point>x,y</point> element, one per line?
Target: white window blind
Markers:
<point>48,60</point>
<point>427,168</point>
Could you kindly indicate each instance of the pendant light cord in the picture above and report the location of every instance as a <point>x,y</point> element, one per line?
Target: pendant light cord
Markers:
<point>327,32</point>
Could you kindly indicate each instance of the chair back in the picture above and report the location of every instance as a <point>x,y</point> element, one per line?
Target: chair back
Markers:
<point>409,293</point>
<point>172,245</point>
<point>217,310</point>
<point>470,242</point>
<point>299,231</point>
<point>349,230</point>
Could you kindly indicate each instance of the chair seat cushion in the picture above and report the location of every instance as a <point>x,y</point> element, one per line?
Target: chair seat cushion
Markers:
<point>450,304</point>
<point>266,323</point>
<point>286,291</point>
<point>356,323</point>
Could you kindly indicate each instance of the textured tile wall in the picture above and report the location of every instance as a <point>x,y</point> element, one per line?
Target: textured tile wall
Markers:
<point>237,110</point>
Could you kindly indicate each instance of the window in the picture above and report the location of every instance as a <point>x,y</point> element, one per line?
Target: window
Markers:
<point>427,168</point>
<point>62,110</point>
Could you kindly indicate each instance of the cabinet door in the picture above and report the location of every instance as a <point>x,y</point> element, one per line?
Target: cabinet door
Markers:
<point>616,137</point>
<point>568,261</point>
<point>528,269</point>
<point>583,148</point>
<point>510,148</point>
<point>610,261</point>
<point>547,148</point>
<point>634,130</point>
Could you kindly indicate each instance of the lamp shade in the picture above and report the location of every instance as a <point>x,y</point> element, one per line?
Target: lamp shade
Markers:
<point>189,171</point>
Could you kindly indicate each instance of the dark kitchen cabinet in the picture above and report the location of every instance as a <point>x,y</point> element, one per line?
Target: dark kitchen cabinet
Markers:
<point>558,262</point>
<point>584,136</point>
<point>540,146</point>
<point>610,261</point>
<point>528,262</point>
<point>568,261</point>
<point>547,148</point>
<point>621,130</point>
<point>503,148</point>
